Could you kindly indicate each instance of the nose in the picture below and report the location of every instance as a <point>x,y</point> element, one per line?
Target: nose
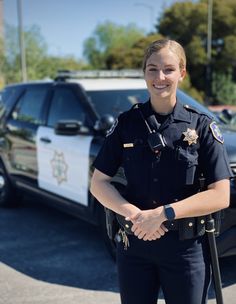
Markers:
<point>160,75</point>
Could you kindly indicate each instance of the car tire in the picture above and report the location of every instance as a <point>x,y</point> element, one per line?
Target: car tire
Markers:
<point>8,194</point>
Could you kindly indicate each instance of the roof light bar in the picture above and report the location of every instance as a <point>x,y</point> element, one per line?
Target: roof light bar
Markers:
<point>100,74</point>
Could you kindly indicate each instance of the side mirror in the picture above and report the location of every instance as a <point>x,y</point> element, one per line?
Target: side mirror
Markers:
<point>68,127</point>
<point>104,123</point>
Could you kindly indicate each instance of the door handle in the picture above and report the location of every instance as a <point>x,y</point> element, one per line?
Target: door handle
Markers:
<point>45,140</point>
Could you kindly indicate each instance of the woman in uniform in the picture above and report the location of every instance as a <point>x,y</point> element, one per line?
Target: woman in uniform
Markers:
<point>165,147</point>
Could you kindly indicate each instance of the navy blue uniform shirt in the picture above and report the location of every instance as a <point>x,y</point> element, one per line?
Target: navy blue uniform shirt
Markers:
<point>194,145</point>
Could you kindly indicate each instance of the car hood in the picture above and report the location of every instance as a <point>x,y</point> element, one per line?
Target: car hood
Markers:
<point>230,143</point>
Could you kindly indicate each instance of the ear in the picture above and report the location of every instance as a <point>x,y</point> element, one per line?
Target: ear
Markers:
<point>183,74</point>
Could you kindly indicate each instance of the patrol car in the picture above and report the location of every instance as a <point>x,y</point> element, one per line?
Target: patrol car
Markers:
<point>51,131</point>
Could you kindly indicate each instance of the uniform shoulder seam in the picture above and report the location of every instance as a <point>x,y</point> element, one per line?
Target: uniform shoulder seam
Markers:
<point>193,109</point>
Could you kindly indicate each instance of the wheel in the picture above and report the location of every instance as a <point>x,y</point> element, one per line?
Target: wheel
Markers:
<point>8,195</point>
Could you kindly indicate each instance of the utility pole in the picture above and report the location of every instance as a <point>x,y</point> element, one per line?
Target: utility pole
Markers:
<point>1,20</point>
<point>1,44</point>
<point>151,12</point>
<point>209,46</point>
<point>21,41</point>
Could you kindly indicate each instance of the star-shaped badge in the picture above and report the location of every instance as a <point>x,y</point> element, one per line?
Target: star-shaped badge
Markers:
<point>190,136</point>
<point>59,167</point>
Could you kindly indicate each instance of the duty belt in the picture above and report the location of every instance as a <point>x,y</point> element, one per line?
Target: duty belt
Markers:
<point>187,228</point>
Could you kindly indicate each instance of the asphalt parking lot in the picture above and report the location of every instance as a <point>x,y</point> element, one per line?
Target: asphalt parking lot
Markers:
<point>48,257</point>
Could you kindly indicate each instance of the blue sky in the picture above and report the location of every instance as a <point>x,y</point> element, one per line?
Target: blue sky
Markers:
<point>65,24</point>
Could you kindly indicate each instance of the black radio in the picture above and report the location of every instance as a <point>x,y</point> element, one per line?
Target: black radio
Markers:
<point>156,142</point>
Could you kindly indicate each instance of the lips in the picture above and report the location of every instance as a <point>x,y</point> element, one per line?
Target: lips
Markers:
<point>160,87</point>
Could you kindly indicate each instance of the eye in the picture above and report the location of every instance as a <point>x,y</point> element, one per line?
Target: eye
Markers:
<point>169,70</point>
<point>152,69</point>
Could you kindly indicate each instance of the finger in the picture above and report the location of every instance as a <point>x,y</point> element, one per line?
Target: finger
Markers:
<point>136,225</point>
<point>152,236</point>
<point>164,228</point>
<point>142,236</point>
<point>161,231</point>
<point>137,232</point>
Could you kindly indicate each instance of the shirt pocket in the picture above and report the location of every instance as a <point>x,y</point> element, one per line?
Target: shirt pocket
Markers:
<point>134,159</point>
<point>187,162</point>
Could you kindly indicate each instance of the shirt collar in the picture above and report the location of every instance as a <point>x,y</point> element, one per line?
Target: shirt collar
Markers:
<point>179,112</point>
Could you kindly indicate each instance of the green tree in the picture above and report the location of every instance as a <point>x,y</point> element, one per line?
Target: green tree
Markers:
<point>132,57</point>
<point>35,50</point>
<point>2,62</point>
<point>50,65</point>
<point>223,88</point>
<point>187,23</point>
<point>109,41</point>
<point>39,64</point>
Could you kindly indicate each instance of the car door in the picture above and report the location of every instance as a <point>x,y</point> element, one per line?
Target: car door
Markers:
<point>21,130</point>
<point>63,160</point>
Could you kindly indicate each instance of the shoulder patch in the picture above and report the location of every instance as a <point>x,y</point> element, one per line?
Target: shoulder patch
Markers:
<point>216,132</point>
<point>111,130</point>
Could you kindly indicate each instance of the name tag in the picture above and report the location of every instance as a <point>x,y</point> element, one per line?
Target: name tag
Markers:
<point>128,145</point>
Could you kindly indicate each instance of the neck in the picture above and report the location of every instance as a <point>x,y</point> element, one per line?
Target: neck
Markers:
<point>163,107</point>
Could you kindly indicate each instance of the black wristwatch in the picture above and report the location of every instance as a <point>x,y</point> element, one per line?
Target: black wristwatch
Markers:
<point>169,212</point>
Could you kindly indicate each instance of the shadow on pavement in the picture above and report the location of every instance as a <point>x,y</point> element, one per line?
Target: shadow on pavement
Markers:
<point>54,247</point>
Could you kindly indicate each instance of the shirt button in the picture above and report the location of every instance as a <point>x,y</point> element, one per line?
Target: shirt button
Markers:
<point>190,224</point>
<point>155,180</point>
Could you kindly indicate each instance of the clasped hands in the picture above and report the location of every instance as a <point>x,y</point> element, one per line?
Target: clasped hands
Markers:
<point>148,224</point>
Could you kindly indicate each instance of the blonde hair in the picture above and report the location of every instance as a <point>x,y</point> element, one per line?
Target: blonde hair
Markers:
<point>172,45</point>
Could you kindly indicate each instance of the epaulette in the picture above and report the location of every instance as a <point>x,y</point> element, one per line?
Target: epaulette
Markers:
<point>136,105</point>
<point>190,108</point>
<point>195,110</point>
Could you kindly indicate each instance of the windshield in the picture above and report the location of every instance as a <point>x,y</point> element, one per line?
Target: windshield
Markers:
<point>115,102</point>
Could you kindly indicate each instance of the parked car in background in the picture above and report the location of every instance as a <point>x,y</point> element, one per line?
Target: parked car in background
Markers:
<point>226,114</point>
<point>51,131</point>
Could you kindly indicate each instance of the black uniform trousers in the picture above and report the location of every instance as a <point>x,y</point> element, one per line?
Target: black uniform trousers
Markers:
<point>180,268</point>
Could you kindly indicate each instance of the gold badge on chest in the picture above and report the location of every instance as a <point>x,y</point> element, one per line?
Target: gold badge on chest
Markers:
<point>190,136</point>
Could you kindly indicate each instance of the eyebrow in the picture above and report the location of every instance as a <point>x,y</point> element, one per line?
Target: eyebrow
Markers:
<point>166,66</point>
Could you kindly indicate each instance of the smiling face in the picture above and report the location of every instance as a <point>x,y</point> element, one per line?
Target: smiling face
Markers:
<point>164,68</point>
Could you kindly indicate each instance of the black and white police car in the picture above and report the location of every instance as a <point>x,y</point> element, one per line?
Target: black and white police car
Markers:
<point>51,131</point>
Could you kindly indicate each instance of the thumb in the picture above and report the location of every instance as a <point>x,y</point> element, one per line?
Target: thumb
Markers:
<point>133,217</point>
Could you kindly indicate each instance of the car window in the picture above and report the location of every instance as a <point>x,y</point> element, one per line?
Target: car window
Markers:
<point>29,106</point>
<point>5,96</point>
<point>115,102</point>
<point>65,106</point>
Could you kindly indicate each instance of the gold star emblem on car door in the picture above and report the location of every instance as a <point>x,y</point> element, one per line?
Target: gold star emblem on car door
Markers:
<point>190,136</point>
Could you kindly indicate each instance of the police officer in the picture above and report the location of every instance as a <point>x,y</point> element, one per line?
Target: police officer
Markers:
<point>164,147</point>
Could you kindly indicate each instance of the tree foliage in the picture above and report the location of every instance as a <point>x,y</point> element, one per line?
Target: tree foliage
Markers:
<point>108,42</point>
<point>223,88</point>
<point>186,22</point>
<point>39,64</point>
<point>2,61</point>
<point>125,58</point>
<point>113,46</point>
